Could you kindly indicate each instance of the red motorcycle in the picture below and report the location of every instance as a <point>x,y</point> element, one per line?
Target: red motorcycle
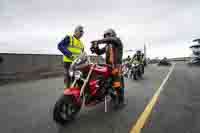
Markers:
<point>91,86</point>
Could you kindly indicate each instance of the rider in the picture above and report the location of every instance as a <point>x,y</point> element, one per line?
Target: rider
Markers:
<point>71,46</point>
<point>114,54</point>
<point>128,58</point>
<point>137,57</point>
<point>127,64</point>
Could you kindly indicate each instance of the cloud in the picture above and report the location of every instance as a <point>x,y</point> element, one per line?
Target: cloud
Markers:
<point>42,24</point>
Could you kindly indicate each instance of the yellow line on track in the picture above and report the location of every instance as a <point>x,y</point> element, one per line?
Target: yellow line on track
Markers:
<point>144,116</point>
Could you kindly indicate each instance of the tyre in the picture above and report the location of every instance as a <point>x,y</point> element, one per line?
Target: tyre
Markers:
<point>139,73</point>
<point>142,69</point>
<point>65,110</point>
<point>126,75</point>
<point>135,76</point>
<point>131,75</point>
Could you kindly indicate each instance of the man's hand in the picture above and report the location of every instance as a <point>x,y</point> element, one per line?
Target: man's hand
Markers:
<point>71,57</point>
<point>94,44</point>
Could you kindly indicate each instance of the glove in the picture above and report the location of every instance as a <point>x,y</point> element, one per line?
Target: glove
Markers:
<point>94,43</point>
<point>93,50</point>
<point>71,57</point>
<point>94,46</point>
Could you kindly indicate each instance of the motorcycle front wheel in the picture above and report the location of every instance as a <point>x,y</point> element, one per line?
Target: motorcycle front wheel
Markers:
<point>65,110</point>
<point>134,75</point>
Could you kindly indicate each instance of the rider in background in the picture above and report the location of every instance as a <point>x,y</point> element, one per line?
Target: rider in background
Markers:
<point>138,57</point>
<point>128,58</point>
<point>127,66</point>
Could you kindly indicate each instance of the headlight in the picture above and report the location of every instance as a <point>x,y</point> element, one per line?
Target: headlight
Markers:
<point>71,73</point>
<point>78,61</point>
<point>77,74</point>
<point>133,65</point>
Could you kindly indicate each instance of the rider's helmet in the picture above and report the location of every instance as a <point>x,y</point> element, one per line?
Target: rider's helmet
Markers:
<point>138,52</point>
<point>110,33</point>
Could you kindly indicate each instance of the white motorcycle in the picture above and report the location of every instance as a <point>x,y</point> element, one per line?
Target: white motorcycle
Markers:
<point>136,70</point>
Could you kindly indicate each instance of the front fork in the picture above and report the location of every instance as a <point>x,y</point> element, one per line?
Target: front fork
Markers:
<point>82,91</point>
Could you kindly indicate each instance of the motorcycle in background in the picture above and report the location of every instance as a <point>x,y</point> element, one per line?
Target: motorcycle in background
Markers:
<point>164,62</point>
<point>136,70</point>
<point>126,69</point>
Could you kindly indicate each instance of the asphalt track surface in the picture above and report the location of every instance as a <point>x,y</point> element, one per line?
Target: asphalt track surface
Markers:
<point>26,107</point>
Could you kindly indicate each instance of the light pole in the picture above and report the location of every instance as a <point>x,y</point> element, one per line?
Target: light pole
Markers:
<point>145,55</point>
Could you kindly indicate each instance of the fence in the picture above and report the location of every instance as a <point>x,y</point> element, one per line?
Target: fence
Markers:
<point>24,66</point>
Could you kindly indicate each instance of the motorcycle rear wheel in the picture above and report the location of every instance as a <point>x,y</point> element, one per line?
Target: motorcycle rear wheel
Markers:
<point>65,110</point>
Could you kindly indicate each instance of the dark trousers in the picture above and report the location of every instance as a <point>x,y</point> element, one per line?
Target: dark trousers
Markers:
<point>67,78</point>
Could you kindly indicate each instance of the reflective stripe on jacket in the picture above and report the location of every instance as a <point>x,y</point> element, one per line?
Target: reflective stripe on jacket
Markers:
<point>75,47</point>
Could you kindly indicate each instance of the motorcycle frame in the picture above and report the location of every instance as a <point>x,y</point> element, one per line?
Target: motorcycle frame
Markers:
<point>85,80</point>
<point>84,85</point>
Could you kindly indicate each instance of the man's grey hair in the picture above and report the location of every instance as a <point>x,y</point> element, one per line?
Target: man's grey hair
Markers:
<point>78,28</point>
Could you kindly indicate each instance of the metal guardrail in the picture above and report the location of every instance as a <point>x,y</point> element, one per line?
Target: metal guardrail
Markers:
<point>180,59</point>
<point>22,66</point>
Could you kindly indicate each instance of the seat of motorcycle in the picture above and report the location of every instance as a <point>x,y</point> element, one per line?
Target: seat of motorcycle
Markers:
<point>108,65</point>
<point>100,64</point>
<point>102,68</point>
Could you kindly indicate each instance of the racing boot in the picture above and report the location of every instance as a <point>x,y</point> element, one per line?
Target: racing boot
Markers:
<point>121,92</point>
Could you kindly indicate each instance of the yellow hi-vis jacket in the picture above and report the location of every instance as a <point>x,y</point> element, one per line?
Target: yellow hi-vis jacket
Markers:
<point>75,47</point>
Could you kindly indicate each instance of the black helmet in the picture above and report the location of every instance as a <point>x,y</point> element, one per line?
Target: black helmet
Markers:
<point>109,32</point>
<point>138,51</point>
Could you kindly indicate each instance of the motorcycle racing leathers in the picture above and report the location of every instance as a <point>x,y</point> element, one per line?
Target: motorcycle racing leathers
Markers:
<point>114,53</point>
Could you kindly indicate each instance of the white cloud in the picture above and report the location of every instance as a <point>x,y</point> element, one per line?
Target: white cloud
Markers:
<point>32,26</point>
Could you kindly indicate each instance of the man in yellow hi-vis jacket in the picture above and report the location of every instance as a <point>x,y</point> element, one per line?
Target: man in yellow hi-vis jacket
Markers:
<point>71,47</point>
